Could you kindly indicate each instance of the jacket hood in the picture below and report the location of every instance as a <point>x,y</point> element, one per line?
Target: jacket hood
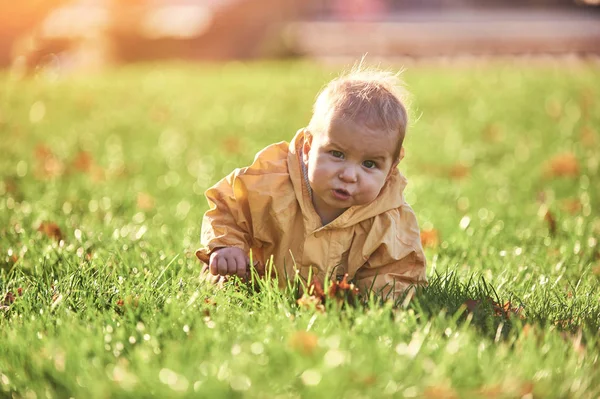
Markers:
<point>390,197</point>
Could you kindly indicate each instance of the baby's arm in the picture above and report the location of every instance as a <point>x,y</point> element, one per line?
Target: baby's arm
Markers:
<point>395,257</point>
<point>227,228</point>
<point>392,279</point>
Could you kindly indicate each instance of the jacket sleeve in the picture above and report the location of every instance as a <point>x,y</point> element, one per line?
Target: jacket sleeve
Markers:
<point>228,222</point>
<point>240,203</point>
<point>395,261</point>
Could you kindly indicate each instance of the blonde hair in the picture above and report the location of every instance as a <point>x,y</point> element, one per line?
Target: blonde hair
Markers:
<point>371,97</point>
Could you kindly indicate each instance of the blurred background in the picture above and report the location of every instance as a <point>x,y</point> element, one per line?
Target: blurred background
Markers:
<point>84,34</point>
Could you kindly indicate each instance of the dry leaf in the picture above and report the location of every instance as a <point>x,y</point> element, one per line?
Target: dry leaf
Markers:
<point>493,133</point>
<point>129,302</point>
<point>51,230</point>
<point>439,392</point>
<point>369,379</point>
<point>315,288</point>
<point>430,238</point>
<point>527,329</point>
<point>10,185</point>
<point>471,305</point>
<point>459,171</point>
<point>311,302</point>
<point>491,391</point>
<point>548,217</point>
<point>48,165</point>
<point>563,165</point>
<point>343,292</point>
<point>145,201</point>
<point>83,161</point>
<point>571,205</point>
<point>9,298</point>
<point>304,342</point>
<point>588,136</point>
<point>526,389</point>
<point>507,309</point>
<point>504,310</point>
<point>232,145</point>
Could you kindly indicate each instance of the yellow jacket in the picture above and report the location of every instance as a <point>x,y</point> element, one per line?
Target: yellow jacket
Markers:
<point>267,208</point>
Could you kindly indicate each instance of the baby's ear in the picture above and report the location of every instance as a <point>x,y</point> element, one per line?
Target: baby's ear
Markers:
<point>396,162</point>
<point>306,145</point>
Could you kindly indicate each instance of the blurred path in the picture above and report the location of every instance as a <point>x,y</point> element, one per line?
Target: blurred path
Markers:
<point>452,33</point>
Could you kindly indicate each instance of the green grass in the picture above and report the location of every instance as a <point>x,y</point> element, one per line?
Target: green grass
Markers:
<point>117,308</point>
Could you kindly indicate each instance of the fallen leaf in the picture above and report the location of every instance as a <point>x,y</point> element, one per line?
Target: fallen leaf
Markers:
<point>311,302</point>
<point>563,165</point>
<point>9,298</point>
<point>548,217</point>
<point>83,162</point>
<point>48,165</point>
<point>51,230</point>
<point>304,342</point>
<point>526,389</point>
<point>571,205</point>
<point>98,174</point>
<point>491,391</point>
<point>129,302</point>
<point>589,137</point>
<point>430,238</point>
<point>343,292</point>
<point>459,171</point>
<point>493,133</point>
<point>210,303</point>
<point>232,145</point>
<point>471,304</point>
<point>369,379</point>
<point>10,185</point>
<point>505,310</point>
<point>439,392</point>
<point>315,288</point>
<point>567,323</point>
<point>145,201</point>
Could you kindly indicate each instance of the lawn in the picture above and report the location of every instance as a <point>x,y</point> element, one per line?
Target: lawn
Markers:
<point>101,200</point>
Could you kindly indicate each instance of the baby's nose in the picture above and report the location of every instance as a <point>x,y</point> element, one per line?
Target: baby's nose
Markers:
<point>348,174</point>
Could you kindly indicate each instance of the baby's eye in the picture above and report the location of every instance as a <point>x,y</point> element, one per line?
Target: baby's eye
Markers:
<point>369,164</point>
<point>337,154</point>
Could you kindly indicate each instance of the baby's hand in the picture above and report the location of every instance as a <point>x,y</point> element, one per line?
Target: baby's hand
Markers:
<point>229,261</point>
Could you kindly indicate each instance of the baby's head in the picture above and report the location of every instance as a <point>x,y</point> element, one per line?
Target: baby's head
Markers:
<point>354,140</point>
<point>368,98</point>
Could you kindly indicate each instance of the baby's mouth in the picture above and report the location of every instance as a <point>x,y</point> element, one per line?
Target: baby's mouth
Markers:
<point>341,194</point>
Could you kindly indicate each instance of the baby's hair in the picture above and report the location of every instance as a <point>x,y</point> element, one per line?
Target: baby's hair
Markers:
<point>368,96</point>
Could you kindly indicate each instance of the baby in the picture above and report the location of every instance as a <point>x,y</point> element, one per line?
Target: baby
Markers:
<point>330,202</point>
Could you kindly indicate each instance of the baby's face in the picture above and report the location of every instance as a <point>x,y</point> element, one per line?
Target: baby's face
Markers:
<point>348,165</point>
